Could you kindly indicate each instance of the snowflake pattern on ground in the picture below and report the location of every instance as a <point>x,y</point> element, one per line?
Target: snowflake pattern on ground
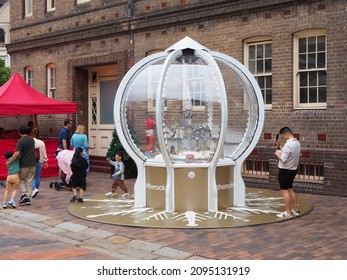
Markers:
<point>261,207</point>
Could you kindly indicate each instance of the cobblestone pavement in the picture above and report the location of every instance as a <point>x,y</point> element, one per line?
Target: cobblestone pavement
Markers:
<point>44,230</point>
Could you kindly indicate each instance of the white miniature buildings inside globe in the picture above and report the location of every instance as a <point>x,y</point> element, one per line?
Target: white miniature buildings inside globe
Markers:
<point>189,117</point>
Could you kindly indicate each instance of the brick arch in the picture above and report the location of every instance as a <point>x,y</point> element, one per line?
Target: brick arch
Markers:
<point>153,51</point>
<point>77,78</point>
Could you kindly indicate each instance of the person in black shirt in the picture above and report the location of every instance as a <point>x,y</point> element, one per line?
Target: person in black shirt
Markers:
<point>79,167</point>
<point>64,136</point>
<point>25,151</point>
<point>64,139</point>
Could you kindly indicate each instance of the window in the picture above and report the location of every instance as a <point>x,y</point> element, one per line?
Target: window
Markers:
<point>28,8</point>
<point>2,36</point>
<point>82,1</point>
<point>154,72</point>
<point>51,80</point>
<point>259,62</point>
<point>195,92</point>
<point>94,111</point>
<point>256,167</point>
<point>152,83</point>
<point>29,75</point>
<point>309,171</point>
<point>50,5</point>
<point>107,97</point>
<point>310,87</point>
<point>196,87</point>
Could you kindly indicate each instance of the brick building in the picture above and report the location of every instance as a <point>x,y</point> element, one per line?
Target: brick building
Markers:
<point>79,50</point>
<point>4,30</point>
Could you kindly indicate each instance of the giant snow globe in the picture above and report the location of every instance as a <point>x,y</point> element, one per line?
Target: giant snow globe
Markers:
<point>189,117</point>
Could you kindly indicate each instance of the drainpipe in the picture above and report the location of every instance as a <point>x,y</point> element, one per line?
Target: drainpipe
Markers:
<point>131,56</point>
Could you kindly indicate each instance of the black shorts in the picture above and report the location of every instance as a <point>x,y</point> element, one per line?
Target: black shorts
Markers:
<point>78,182</point>
<point>286,178</point>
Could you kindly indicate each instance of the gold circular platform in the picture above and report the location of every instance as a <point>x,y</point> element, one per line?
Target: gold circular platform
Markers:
<point>262,207</point>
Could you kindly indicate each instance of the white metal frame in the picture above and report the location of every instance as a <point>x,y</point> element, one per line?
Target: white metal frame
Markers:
<point>246,146</point>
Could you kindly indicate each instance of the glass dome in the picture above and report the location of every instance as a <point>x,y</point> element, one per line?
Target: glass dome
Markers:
<point>137,110</point>
<point>244,108</point>
<point>191,107</point>
<point>189,116</point>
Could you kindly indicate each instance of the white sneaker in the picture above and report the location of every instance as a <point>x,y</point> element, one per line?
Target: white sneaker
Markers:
<point>284,215</point>
<point>35,192</point>
<point>125,195</point>
<point>109,194</point>
<point>295,213</point>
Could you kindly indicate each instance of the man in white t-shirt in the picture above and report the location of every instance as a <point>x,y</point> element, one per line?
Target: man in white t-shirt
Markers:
<point>288,160</point>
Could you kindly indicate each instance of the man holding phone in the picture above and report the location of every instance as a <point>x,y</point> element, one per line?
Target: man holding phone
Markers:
<point>288,160</point>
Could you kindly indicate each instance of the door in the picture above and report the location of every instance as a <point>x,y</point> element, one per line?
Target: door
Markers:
<point>102,92</point>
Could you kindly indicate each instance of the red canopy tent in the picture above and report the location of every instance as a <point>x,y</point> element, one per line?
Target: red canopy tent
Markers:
<point>18,98</point>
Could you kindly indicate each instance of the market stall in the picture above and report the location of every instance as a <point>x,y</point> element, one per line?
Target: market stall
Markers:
<point>17,98</point>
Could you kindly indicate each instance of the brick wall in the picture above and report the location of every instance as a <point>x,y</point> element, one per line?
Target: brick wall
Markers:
<point>335,168</point>
<point>98,33</point>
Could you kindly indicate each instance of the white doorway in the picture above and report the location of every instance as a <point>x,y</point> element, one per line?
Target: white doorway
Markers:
<point>102,91</point>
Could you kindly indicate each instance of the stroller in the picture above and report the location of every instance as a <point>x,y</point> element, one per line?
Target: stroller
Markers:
<point>63,162</point>
<point>58,185</point>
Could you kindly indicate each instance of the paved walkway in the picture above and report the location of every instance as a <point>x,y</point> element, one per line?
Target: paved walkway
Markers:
<point>44,230</point>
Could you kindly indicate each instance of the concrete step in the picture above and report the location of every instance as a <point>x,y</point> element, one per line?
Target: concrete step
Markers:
<point>99,164</point>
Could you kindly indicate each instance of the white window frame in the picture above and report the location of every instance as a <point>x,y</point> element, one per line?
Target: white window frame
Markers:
<point>28,8</point>
<point>29,76</point>
<point>152,83</point>
<point>310,172</point>
<point>82,1</point>
<point>50,5</point>
<point>51,80</point>
<point>260,40</point>
<point>195,82</point>
<point>297,71</point>
<point>255,167</point>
